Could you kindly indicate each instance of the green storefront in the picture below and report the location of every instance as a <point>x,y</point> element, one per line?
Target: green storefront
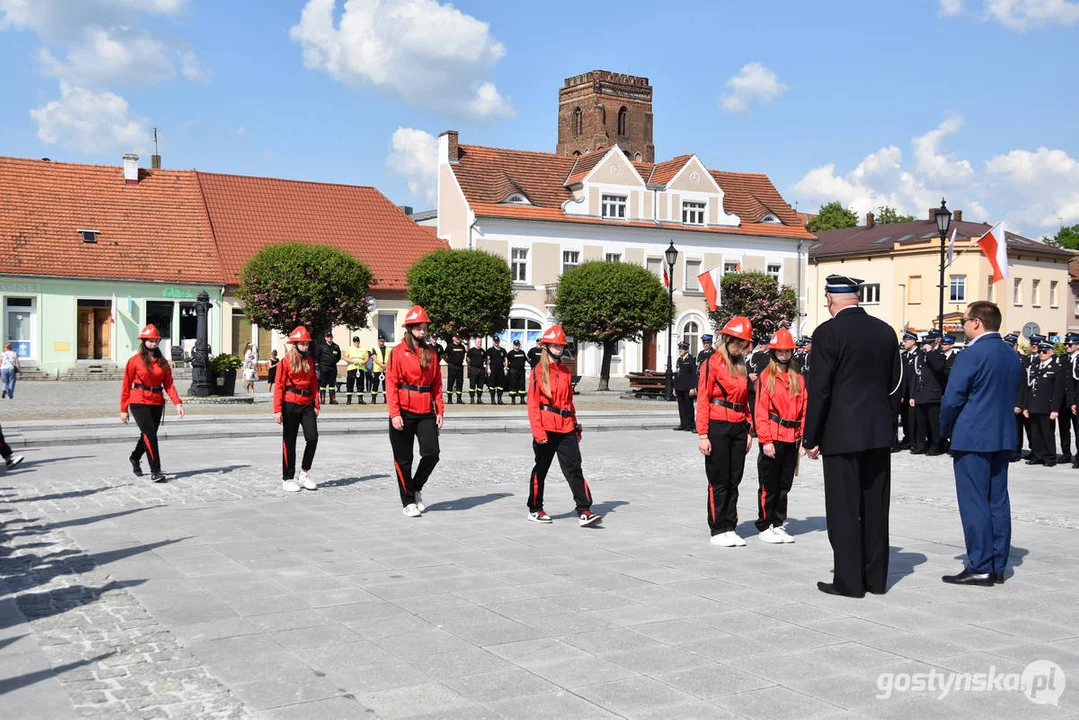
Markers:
<point>55,324</point>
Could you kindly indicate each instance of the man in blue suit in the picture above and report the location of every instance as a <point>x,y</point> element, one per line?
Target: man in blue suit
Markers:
<point>978,414</point>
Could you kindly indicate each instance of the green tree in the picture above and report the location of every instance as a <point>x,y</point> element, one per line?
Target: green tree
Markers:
<point>605,302</point>
<point>465,292</point>
<point>832,216</point>
<point>758,297</point>
<point>294,284</point>
<point>1067,238</point>
<point>886,215</point>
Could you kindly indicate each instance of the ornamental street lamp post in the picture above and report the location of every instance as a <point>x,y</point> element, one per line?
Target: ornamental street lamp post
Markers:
<point>671,255</point>
<point>200,357</point>
<point>944,219</point>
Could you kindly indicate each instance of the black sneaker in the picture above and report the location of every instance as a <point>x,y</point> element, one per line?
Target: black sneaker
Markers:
<point>158,477</point>
<point>13,461</point>
<point>136,467</point>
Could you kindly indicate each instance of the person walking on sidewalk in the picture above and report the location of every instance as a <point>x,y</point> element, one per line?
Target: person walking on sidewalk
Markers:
<point>555,430</point>
<point>724,420</point>
<point>9,371</point>
<point>780,420</point>
<point>296,404</point>
<point>414,399</point>
<point>147,378</point>
<point>271,373</point>
<point>10,459</point>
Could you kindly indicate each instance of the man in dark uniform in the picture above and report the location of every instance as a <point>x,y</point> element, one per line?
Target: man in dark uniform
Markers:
<point>758,361</point>
<point>534,356</point>
<point>496,370</point>
<point>455,369</point>
<point>1020,421</point>
<point>516,362</point>
<point>381,355</point>
<point>906,412</point>
<point>477,360</point>
<point>926,391</point>
<point>1069,419</point>
<point>328,356</point>
<point>706,350</point>
<point>685,388</point>
<point>801,359</point>
<point>947,346</point>
<point>1042,394</point>
<point>853,394</point>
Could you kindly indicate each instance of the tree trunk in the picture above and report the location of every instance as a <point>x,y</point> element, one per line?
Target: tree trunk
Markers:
<point>605,367</point>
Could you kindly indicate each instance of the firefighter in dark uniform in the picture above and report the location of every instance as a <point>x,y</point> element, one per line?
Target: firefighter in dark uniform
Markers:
<point>496,370</point>
<point>381,357</point>
<point>1020,421</point>
<point>926,390</point>
<point>477,360</point>
<point>534,356</point>
<point>907,414</point>
<point>329,355</point>
<point>706,351</point>
<point>800,363</point>
<point>947,346</point>
<point>1069,419</point>
<point>516,362</point>
<point>455,370</point>
<point>685,388</point>
<point>1042,394</point>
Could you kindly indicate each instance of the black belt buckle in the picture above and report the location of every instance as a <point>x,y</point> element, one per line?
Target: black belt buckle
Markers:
<point>783,421</point>
<point>297,391</point>
<point>147,388</point>
<point>558,411</point>
<point>416,388</point>
<point>739,407</point>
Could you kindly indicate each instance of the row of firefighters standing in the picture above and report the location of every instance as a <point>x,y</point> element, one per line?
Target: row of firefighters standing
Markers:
<point>1046,399</point>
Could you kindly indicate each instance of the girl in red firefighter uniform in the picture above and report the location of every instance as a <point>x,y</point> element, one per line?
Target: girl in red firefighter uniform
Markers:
<point>555,430</point>
<point>295,405</point>
<point>724,421</point>
<point>780,421</point>
<point>147,378</point>
<point>414,399</point>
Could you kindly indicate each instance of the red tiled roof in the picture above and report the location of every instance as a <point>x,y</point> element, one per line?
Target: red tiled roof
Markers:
<point>584,165</point>
<point>860,240</point>
<point>665,171</point>
<point>249,213</point>
<point>156,229</point>
<point>539,175</point>
<point>751,196</point>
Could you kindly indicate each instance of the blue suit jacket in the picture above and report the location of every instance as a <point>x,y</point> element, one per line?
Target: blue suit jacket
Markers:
<point>978,409</point>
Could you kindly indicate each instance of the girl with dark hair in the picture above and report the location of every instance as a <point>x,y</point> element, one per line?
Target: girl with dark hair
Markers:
<point>147,379</point>
<point>296,404</point>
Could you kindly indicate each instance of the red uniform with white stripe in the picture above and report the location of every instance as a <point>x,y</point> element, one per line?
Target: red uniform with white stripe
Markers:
<point>409,387</point>
<point>717,382</point>
<point>780,404</point>
<point>559,416</point>
<point>288,382</point>
<point>158,375</point>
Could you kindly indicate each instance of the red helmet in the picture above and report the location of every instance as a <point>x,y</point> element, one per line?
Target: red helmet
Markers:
<point>150,333</point>
<point>738,327</point>
<point>416,316</point>
<point>782,340</point>
<point>553,336</point>
<point>300,334</point>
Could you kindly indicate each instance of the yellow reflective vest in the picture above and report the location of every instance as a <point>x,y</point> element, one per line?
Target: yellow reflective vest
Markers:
<point>355,357</point>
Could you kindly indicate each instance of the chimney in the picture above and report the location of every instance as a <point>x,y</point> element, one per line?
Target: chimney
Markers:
<point>447,147</point>
<point>155,162</point>
<point>957,216</point>
<point>869,222</point>
<point>131,168</point>
<point>406,209</point>
<point>933,214</point>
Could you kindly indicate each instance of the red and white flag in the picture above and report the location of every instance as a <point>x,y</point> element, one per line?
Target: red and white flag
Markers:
<point>995,247</point>
<point>666,278</point>
<point>951,245</point>
<point>710,283</point>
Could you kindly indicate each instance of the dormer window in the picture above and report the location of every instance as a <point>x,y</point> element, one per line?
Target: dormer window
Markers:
<point>693,213</point>
<point>516,199</point>
<point>89,236</point>
<point>771,219</point>
<point>614,206</point>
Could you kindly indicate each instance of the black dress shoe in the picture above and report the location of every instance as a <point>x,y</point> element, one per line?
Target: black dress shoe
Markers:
<point>1016,457</point>
<point>830,589</point>
<point>1075,465</point>
<point>136,467</point>
<point>968,578</point>
<point>998,578</point>
<point>1034,462</point>
<point>678,429</point>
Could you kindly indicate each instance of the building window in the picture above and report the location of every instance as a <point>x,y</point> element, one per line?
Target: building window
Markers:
<point>870,294</point>
<point>636,157</point>
<point>1036,293</point>
<point>1053,293</point>
<point>914,290</point>
<point>526,330</point>
<point>693,269</point>
<point>519,264</point>
<point>613,257</point>
<point>19,324</point>
<point>387,326</point>
<point>730,267</point>
<point>1076,309</point>
<point>578,122</point>
<point>614,206</point>
<point>655,266</point>
<point>957,288</point>
<point>623,123</point>
<point>691,333</point>
<point>693,213</point>
<point>774,269</point>
<point>570,259</point>
<point>1017,298</point>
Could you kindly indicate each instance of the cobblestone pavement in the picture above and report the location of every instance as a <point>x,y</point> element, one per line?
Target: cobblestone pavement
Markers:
<point>220,595</point>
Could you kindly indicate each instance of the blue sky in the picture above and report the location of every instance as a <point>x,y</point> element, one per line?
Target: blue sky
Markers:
<point>868,103</point>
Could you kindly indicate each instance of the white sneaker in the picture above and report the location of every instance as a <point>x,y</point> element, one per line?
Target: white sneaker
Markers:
<point>737,539</point>
<point>769,535</point>
<point>419,503</point>
<point>726,539</point>
<point>290,486</point>
<point>782,532</point>
<point>412,511</point>
<point>306,482</point>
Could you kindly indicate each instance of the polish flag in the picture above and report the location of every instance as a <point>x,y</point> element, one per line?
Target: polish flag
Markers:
<point>710,282</point>
<point>995,247</point>
<point>666,279</point>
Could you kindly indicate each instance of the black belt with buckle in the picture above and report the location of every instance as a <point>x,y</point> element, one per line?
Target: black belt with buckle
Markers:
<point>298,391</point>
<point>557,411</point>
<point>147,388</point>
<point>728,404</point>
<point>415,388</point>
<point>784,422</point>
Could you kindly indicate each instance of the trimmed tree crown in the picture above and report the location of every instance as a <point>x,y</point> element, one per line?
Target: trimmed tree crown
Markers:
<point>759,297</point>
<point>465,292</point>
<point>610,301</point>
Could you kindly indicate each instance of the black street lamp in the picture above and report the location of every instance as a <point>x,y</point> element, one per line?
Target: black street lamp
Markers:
<point>201,382</point>
<point>944,219</point>
<point>671,255</point>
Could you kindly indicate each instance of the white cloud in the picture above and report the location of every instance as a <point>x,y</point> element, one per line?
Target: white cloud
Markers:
<point>428,54</point>
<point>1034,190</point>
<point>414,156</point>
<point>120,54</point>
<point>193,68</point>
<point>754,83</point>
<point>950,7</point>
<point>91,122</point>
<point>60,20</point>
<point>1024,15</point>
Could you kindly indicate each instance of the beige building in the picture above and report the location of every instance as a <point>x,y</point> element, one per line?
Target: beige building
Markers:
<point>900,264</point>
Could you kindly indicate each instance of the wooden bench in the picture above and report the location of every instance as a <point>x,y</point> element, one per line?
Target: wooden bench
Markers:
<point>650,383</point>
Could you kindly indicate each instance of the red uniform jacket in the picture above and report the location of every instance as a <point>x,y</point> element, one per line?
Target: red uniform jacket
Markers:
<point>287,383</point>
<point>782,405</point>
<point>411,388</point>
<point>158,376</point>
<point>716,381</point>
<point>554,411</point>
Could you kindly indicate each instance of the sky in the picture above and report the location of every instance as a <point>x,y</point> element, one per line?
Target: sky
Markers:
<point>896,102</point>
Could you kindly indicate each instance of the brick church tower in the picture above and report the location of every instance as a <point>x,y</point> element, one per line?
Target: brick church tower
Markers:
<point>599,109</point>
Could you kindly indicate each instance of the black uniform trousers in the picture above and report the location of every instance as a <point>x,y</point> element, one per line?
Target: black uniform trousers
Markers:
<point>568,450</point>
<point>455,379</point>
<point>5,449</point>
<point>724,469</point>
<point>496,382</point>
<point>475,382</point>
<point>376,385</point>
<point>687,410</point>
<point>1066,421</point>
<point>424,429</point>
<point>148,418</point>
<point>776,476</point>
<point>515,382</point>
<point>906,419</point>
<point>327,382</point>
<point>857,493</point>
<point>1020,425</point>
<point>293,417</point>
<point>1043,443</point>
<point>927,437</point>
<point>354,381</point>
